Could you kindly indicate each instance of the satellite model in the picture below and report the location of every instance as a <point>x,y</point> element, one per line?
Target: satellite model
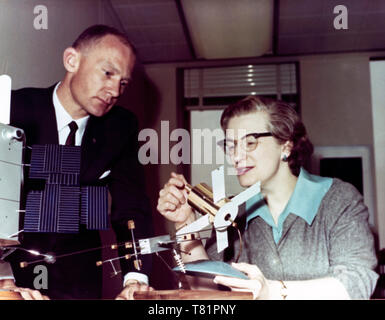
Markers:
<point>58,166</point>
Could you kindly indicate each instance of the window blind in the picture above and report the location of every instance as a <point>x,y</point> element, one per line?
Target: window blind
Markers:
<point>268,79</point>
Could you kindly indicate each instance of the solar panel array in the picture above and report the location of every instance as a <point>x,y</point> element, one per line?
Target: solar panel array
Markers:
<point>63,204</point>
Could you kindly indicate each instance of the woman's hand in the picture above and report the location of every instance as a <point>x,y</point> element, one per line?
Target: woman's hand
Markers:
<point>257,283</point>
<point>172,202</point>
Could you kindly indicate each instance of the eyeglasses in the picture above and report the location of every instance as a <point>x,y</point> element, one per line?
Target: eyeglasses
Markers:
<point>247,143</point>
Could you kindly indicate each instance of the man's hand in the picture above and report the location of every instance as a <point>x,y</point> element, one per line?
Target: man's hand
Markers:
<point>131,286</point>
<point>7,284</point>
<point>29,294</point>
<point>26,294</point>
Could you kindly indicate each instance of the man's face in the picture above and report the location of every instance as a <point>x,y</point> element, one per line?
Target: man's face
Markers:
<point>103,73</point>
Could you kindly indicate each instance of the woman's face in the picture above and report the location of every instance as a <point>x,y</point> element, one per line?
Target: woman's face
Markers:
<point>261,164</point>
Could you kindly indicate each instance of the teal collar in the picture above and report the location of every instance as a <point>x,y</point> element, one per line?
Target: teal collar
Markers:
<point>304,202</point>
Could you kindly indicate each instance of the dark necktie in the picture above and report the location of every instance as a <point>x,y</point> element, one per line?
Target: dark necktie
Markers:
<point>71,136</point>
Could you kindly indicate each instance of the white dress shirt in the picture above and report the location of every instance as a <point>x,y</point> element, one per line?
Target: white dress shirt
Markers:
<point>63,119</point>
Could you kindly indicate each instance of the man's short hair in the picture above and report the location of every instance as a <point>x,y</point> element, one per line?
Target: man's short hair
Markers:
<point>96,32</point>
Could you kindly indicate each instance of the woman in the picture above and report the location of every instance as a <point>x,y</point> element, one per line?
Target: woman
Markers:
<point>305,237</point>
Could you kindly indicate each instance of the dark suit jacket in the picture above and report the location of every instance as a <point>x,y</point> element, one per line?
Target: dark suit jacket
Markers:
<point>109,143</point>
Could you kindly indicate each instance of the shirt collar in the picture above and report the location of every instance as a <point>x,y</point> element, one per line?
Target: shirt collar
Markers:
<point>304,202</point>
<point>63,118</point>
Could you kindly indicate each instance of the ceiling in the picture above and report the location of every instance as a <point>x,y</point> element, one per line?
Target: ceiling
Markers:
<point>191,30</point>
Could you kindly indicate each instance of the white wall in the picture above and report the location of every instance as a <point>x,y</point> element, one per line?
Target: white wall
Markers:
<point>377,72</point>
<point>335,99</point>
<point>34,57</point>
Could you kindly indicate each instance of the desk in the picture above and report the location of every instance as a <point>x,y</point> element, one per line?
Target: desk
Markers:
<point>192,295</point>
<point>10,295</point>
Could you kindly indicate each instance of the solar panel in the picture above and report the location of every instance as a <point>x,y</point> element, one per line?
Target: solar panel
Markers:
<point>94,205</point>
<point>63,204</point>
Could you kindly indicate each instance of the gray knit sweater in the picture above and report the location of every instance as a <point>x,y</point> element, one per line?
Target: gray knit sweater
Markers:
<point>338,243</point>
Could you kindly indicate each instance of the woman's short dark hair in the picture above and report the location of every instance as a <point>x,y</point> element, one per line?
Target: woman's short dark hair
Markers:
<point>284,124</point>
<point>96,32</point>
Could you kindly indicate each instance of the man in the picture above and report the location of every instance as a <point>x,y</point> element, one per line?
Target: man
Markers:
<point>98,66</point>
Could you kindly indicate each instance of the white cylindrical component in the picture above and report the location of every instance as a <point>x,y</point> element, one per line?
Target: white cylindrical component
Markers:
<point>10,133</point>
<point>5,98</point>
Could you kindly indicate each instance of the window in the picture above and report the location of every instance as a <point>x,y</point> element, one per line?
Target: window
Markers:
<point>213,87</point>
